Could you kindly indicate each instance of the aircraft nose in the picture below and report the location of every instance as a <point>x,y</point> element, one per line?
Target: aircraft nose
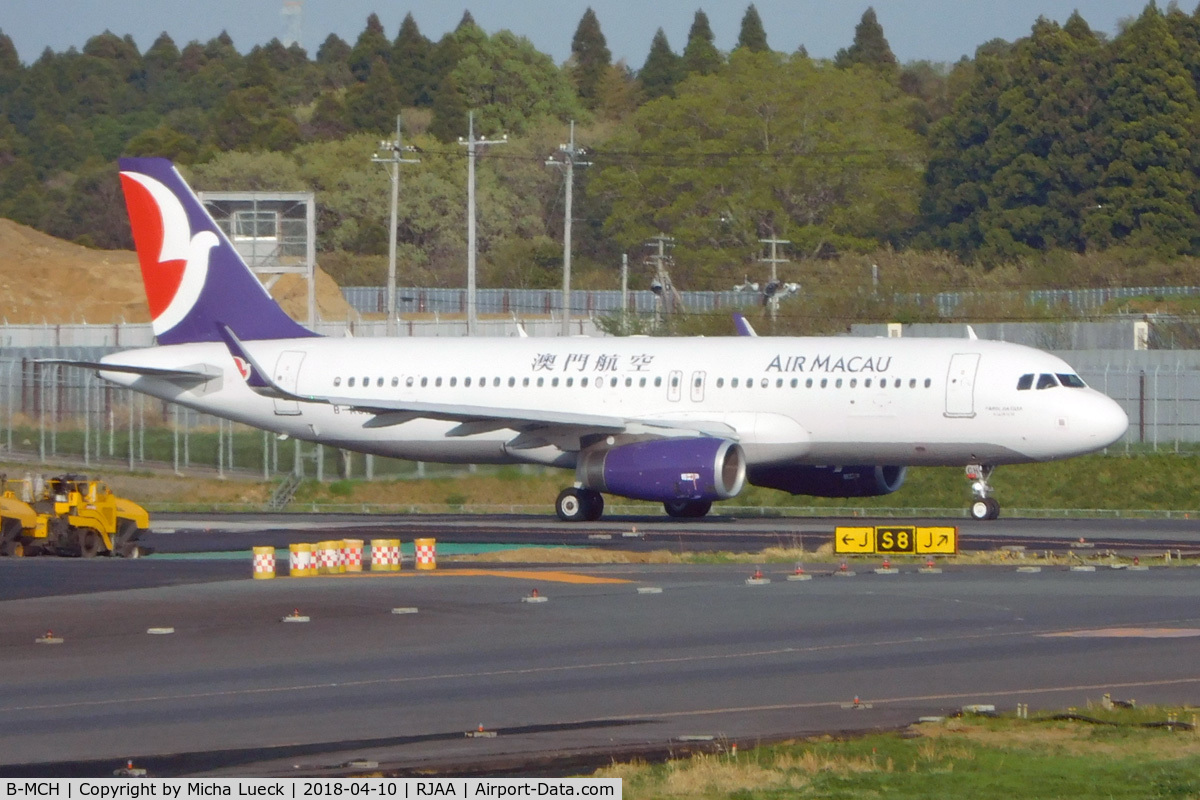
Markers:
<point>1107,421</point>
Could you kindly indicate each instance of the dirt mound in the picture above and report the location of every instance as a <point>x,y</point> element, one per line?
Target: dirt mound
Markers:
<point>44,279</point>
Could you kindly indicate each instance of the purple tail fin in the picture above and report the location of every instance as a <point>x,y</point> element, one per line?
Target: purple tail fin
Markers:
<point>193,275</point>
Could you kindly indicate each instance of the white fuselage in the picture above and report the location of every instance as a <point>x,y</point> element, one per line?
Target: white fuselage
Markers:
<point>814,401</point>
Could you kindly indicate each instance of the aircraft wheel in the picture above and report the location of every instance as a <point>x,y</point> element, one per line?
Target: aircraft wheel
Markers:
<point>570,505</point>
<point>593,504</point>
<point>980,509</point>
<point>993,508</point>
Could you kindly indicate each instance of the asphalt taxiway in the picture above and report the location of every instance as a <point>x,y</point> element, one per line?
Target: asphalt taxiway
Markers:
<point>598,669</point>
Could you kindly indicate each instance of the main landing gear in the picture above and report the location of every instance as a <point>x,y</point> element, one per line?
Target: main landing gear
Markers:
<point>576,505</point>
<point>983,506</point>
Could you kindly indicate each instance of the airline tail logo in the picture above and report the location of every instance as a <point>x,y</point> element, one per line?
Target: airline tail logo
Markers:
<point>174,262</point>
<point>243,367</point>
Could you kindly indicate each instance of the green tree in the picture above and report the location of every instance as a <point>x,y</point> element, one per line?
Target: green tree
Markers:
<point>371,48</point>
<point>1148,190</point>
<point>770,145</point>
<point>662,69</point>
<point>411,69</point>
<point>752,36</point>
<point>590,59</point>
<point>372,106</point>
<point>510,85</point>
<point>700,56</point>
<point>333,61</point>
<point>1014,167</point>
<point>870,47</point>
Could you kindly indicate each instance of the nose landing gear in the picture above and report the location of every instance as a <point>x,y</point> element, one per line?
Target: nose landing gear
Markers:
<point>983,506</point>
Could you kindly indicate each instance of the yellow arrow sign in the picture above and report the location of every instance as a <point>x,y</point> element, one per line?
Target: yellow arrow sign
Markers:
<point>937,541</point>
<point>853,540</point>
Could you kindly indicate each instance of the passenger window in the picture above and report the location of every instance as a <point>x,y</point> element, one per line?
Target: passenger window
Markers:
<point>407,381</point>
<point>454,381</point>
<point>525,381</point>
<point>337,381</point>
<point>867,383</point>
<point>765,383</point>
<point>496,381</point>
<point>379,381</point>
<point>395,382</point>
<point>512,382</point>
<point>1025,382</point>
<point>658,381</point>
<point>674,380</point>
<point>541,381</point>
<point>824,382</point>
<point>641,382</point>
<point>696,382</point>
<point>912,383</point>
<point>795,382</point>
<point>838,384</point>
<point>853,382</point>
<point>628,382</point>
<point>554,381</point>
<point>570,382</point>
<point>897,383</point>
<point>1071,380</point>
<point>808,383</point>
<point>928,382</point>
<point>366,382</point>
<point>424,382</point>
<point>779,383</point>
<point>720,382</point>
<point>583,382</point>
<point>613,381</point>
<point>350,382</point>
<point>1046,381</point>
<point>466,381</point>
<point>749,383</point>
<point>734,383</point>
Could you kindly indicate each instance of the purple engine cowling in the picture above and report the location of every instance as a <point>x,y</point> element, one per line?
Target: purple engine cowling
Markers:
<point>852,481</point>
<point>699,468</point>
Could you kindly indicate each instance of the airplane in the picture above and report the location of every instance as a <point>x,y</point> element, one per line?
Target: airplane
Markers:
<point>680,421</point>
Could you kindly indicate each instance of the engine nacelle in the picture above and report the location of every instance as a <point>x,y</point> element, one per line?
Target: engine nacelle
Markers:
<point>854,481</point>
<point>700,468</point>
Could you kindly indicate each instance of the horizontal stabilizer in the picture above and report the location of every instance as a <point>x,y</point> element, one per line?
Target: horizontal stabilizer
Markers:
<point>151,372</point>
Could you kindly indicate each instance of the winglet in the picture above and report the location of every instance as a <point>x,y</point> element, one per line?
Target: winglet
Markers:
<point>253,374</point>
<point>743,325</point>
<point>971,333</point>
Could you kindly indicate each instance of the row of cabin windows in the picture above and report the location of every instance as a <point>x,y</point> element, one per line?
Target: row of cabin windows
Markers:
<point>697,382</point>
<point>823,383</point>
<point>525,382</point>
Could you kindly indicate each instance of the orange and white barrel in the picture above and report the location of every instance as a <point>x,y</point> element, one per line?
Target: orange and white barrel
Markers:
<point>264,562</point>
<point>385,555</point>
<point>352,554</point>
<point>326,558</point>
<point>426,557</point>
<point>300,560</point>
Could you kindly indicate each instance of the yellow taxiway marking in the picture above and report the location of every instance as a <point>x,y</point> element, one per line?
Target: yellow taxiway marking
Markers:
<point>1128,633</point>
<point>525,575</point>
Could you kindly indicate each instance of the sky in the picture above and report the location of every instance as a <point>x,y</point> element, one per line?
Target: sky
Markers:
<point>934,30</point>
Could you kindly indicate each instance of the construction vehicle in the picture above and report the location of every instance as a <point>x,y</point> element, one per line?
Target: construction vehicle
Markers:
<point>68,515</point>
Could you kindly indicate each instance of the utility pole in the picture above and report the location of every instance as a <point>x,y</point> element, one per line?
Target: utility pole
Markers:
<point>395,157</point>
<point>661,285</point>
<point>772,290</point>
<point>571,153</point>
<point>471,143</point>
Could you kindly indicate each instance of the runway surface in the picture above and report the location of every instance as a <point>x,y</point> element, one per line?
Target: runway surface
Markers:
<point>598,669</point>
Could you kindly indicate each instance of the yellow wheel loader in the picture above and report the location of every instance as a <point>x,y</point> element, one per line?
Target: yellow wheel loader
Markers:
<point>68,515</point>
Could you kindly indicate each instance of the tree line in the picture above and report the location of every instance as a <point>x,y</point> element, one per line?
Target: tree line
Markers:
<point>1061,145</point>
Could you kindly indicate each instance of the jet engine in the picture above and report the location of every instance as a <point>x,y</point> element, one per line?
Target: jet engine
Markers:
<point>853,481</point>
<point>699,469</point>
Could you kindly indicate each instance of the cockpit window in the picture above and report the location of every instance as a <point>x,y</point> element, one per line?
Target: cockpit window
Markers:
<point>1071,381</point>
<point>1025,382</point>
<point>1046,381</point>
